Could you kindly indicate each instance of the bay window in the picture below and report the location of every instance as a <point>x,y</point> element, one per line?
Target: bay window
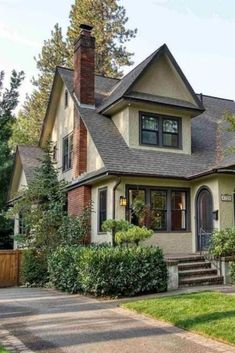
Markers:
<point>159,130</point>
<point>161,209</point>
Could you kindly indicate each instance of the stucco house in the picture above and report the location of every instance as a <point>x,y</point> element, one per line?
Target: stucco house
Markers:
<point>146,138</point>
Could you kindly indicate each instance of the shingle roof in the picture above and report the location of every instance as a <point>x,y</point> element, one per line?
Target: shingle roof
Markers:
<point>209,142</point>
<point>123,87</point>
<point>30,158</point>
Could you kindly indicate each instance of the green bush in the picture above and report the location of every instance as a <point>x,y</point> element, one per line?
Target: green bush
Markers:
<point>34,271</point>
<point>108,271</point>
<point>223,242</point>
<point>232,271</point>
<point>133,235</point>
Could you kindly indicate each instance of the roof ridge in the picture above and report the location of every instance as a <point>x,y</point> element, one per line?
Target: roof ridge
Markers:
<point>215,97</point>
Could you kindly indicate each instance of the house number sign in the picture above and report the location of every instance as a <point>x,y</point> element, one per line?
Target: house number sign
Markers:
<point>226,197</point>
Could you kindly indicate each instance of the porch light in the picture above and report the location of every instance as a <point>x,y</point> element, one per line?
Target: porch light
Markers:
<point>123,201</point>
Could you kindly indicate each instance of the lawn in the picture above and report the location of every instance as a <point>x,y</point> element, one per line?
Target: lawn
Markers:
<point>2,350</point>
<point>208,313</point>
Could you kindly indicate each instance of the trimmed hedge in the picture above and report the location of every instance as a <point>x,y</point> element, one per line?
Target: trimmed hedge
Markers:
<point>112,271</point>
<point>33,272</point>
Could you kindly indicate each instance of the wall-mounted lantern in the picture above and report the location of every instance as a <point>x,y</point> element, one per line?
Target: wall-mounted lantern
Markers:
<point>123,201</point>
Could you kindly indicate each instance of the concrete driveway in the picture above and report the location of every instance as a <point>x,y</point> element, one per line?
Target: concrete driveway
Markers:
<point>50,321</point>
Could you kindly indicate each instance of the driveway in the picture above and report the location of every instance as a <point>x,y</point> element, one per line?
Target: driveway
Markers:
<point>50,321</point>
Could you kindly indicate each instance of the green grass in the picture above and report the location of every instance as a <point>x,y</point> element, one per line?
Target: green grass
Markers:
<point>208,313</point>
<point>2,350</point>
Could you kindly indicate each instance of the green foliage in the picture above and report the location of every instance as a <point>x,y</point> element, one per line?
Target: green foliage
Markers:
<point>33,268</point>
<point>223,242</point>
<point>113,225</point>
<point>232,271</point>
<point>109,21</point>
<point>8,103</point>
<point>28,125</point>
<point>108,271</point>
<point>133,235</point>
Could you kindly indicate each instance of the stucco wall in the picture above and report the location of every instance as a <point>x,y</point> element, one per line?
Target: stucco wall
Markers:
<point>134,124</point>
<point>94,161</point>
<point>63,125</point>
<point>162,79</point>
<point>226,208</point>
<point>121,120</point>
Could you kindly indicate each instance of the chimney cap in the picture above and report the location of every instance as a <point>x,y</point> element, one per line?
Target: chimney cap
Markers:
<point>85,27</point>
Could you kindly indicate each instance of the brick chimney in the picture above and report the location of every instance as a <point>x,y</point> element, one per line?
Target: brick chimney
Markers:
<point>84,66</point>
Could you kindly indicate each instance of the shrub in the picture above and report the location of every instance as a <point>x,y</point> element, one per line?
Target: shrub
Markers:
<point>33,268</point>
<point>232,271</point>
<point>133,235</point>
<point>223,242</point>
<point>63,268</point>
<point>108,271</point>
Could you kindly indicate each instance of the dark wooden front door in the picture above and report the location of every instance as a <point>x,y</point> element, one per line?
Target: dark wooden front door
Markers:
<point>204,219</point>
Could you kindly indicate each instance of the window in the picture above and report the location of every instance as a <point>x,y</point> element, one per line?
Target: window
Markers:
<point>158,208</point>
<point>161,131</point>
<point>54,152</point>
<point>22,227</point>
<point>102,208</point>
<point>137,201</point>
<point>67,152</point>
<point>66,98</point>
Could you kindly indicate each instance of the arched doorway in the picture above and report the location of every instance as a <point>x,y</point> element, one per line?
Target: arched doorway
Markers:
<point>204,226</point>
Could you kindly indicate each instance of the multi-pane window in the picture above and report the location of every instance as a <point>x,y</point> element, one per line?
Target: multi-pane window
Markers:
<point>67,152</point>
<point>22,227</point>
<point>137,201</point>
<point>102,208</point>
<point>161,131</point>
<point>158,208</point>
<point>178,210</point>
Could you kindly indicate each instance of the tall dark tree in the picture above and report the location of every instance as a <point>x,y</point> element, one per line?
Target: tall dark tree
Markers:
<point>28,125</point>
<point>109,20</point>
<point>8,102</point>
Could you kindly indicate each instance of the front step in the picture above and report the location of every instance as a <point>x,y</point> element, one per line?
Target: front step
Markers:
<point>198,272</point>
<point>183,266</point>
<point>187,258</point>
<point>201,281</point>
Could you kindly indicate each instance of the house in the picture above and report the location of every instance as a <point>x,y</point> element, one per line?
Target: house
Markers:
<point>147,139</point>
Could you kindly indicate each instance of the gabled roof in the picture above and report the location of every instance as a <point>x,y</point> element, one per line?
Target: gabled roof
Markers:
<point>27,159</point>
<point>124,86</point>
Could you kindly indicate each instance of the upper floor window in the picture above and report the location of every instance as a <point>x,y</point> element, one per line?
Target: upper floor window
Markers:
<point>161,131</point>
<point>67,152</point>
<point>66,98</point>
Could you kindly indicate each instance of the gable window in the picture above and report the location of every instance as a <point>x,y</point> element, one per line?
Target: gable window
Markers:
<point>102,201</point>
<point>161,209</point>
<point>67,152</point>
<point>161,131</point>
<point>66,98</point>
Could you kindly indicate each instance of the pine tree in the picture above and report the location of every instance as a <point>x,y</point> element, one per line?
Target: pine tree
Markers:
<point>28,125</point>
<point>8,102</point>
<point>109,21</point>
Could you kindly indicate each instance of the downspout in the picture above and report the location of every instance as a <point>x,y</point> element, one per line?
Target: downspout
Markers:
<point>114,202</point>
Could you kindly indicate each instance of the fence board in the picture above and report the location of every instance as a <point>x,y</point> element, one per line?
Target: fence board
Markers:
<point>9,267</point>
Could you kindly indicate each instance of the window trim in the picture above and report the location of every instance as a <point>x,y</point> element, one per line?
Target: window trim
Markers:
<point>105,188</point>
<point>161,118</point>
<point>148,189</point>
<point>63,164</point>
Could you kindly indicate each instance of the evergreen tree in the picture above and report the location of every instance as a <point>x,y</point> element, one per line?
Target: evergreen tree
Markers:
<point>109,21</point>
<point>28,125</point>
<point>8,102</point>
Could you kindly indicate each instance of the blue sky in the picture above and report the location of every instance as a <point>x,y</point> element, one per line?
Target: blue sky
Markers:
<point>199,33</point>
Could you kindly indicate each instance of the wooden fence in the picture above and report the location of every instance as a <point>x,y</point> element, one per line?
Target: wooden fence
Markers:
<point>9,267</point>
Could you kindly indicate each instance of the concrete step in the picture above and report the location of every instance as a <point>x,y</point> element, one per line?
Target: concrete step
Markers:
<point>200,281</point>
<point>183,266</point>
<point>191,258</point>
<point>198,273</point>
